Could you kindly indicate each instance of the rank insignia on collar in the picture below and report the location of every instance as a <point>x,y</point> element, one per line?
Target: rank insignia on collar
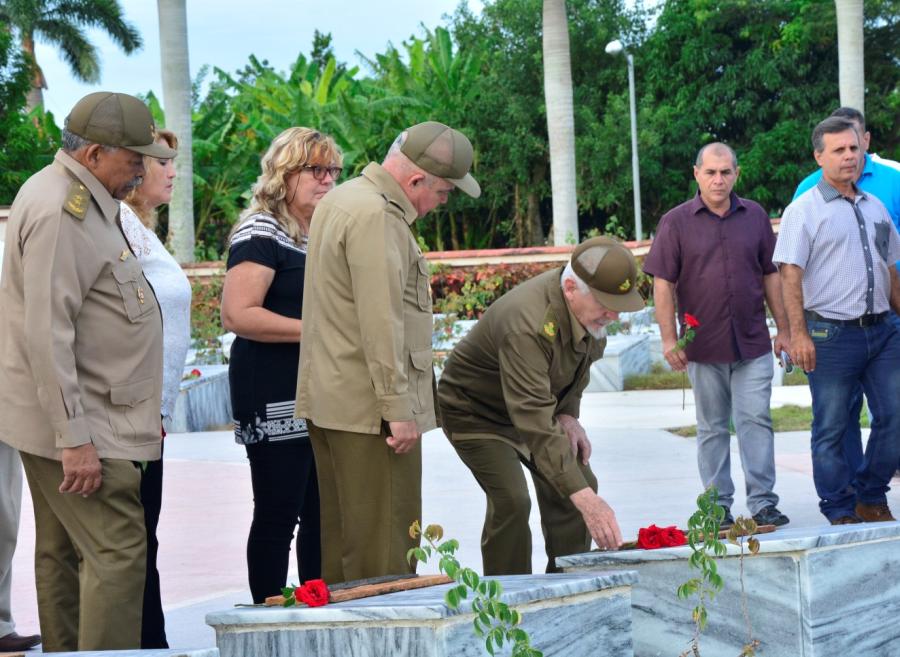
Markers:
<point>550,329</point>
<point>77,200</point>
<point>124,255</point>
<point>625,286</point>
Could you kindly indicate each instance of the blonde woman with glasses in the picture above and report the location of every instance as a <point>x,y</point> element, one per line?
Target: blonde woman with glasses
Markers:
<point>261,303</point>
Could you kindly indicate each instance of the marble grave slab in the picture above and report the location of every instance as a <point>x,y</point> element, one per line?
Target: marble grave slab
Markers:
<point>575,615</point>
<point>812,592</point>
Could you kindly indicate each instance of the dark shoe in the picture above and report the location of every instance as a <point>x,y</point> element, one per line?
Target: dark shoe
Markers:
<point>771,516</point>
<point>846,520</point>
<point>874,512</point>
<point>728,520</point>
<point>15,643</point>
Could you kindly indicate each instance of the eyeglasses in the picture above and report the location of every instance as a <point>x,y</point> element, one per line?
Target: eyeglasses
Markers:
<point>319,173</point>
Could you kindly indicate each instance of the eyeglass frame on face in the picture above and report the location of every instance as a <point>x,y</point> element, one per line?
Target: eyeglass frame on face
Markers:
<point>319,172</point>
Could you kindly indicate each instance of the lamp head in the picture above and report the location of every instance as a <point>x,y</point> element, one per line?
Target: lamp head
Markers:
<point>614,47</point>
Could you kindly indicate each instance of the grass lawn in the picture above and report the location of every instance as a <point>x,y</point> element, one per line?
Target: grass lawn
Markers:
<point>786,418</point>
<point>660,378</point>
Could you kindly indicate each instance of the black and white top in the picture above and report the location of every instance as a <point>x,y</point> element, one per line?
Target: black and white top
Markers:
<point>263,375</point>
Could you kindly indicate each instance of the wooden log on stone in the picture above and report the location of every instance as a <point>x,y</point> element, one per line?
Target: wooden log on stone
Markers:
<point>371,590</point>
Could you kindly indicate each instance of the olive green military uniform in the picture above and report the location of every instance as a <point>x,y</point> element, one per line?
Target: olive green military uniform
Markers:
<point>81,338</point>
<point>365,359</point>
<point>524,363</point>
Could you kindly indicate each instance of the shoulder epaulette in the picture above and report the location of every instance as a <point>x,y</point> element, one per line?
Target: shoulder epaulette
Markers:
<point>550,325</point>
<point>77,200</point>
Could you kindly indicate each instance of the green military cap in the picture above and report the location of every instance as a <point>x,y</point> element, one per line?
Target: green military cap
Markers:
<point>610,270</point>
<point>443,152</point>
<point>115,119</point>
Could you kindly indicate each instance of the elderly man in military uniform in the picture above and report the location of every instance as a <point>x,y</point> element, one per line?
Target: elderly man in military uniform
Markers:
<point>81,376</point>
<point>366,382</point>
<point>510,394</point>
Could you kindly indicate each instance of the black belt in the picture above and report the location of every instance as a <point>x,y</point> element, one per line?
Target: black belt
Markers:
<point>865,320</point>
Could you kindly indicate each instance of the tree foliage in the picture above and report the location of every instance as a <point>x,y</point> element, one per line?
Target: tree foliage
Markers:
<point>62,24</point>
<point>28,140</point>
<point>757,74</point>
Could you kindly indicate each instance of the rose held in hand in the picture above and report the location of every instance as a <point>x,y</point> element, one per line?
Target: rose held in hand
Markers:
<point>313,593</point>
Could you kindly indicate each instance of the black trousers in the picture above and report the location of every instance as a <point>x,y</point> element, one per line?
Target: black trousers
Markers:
<point>153,623</point>
<point>285,496</point>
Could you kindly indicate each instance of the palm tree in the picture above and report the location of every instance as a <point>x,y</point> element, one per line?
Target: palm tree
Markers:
<point>560,121</point>
<point>176,80</point>
<point>851,77</point>
<point>62,23</point>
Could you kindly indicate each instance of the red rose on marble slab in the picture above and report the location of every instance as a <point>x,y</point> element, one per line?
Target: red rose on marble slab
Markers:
<point>653,537</point>
<point>649,538</point>
<point>314,593</point>
<point>672,537</point>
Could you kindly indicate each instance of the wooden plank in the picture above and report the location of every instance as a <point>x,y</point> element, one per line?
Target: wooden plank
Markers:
<point>370,590</point>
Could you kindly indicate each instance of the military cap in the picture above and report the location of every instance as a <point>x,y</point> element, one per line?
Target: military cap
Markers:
<point>443,152</point>
<point>119,120</point>
<point>610,270</point>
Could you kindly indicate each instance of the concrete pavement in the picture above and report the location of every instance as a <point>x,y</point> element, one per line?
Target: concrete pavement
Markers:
<point>647,474</point>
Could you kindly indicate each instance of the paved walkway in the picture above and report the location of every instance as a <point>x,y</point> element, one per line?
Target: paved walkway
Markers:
<point>647,474</point>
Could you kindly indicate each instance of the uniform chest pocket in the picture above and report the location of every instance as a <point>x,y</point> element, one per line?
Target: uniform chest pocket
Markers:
<point>882,239</point>
<point>136,294</point>
<point>423,285</point>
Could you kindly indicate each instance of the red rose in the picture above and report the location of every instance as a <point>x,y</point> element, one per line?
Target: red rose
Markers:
<point>314,593</point>
<point>672,537</point>
<point>691,321</point>
<point>649,538</point>
<point>196,372</point>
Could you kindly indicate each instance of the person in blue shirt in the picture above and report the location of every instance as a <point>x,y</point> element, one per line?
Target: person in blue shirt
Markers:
<point>881,178</point>
<point>877,177</point>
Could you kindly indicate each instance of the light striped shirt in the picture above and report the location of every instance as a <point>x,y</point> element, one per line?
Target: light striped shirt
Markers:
<point>845,248</point>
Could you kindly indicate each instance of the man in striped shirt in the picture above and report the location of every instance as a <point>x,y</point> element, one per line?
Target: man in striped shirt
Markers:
<point>837,250</point>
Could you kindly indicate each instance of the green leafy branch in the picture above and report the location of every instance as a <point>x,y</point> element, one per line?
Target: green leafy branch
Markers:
<point>495,621</point>
<point>703,539</point>
<point>745,528</point>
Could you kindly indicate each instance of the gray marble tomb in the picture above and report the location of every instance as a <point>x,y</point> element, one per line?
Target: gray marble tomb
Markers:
<point>812,591</point>
<point>575,615</point>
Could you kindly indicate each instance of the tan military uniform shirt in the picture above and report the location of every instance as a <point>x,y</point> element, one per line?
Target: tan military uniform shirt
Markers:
<point>526,361</point>
<point>80,329</point>
<point>365,354</point>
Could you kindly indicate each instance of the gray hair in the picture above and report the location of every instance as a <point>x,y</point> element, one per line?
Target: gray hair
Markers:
<point>830,126</point>
<point>851,114</point>
<point>717,147</point>
<point>570,275</point>
<point>395,146</point>
<point>72,143</point>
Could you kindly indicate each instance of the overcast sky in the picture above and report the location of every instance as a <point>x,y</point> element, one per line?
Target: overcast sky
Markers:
<point>225,32</point>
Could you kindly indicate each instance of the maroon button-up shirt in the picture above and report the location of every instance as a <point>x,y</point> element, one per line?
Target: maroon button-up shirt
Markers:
<point>717,265</point>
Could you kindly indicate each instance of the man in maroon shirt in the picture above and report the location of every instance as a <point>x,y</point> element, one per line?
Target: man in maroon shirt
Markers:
<point>714,255</point>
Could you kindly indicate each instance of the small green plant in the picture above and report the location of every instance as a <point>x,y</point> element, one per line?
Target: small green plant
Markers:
<point>703,539</point>
<point>474,297</point>
<point>446,329</point>
<point>495,621</point>
<point>206,322</point>
<point>743,529</point>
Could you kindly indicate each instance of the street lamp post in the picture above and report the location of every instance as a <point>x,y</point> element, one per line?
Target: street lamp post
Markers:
<point>616,48</point>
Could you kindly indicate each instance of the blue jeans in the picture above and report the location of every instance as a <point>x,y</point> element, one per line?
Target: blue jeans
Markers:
<point>852,434</point>
<point>847,357</point>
